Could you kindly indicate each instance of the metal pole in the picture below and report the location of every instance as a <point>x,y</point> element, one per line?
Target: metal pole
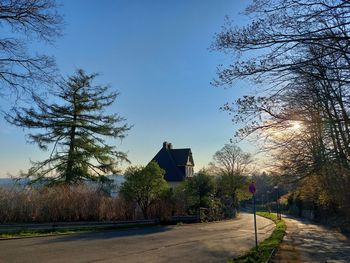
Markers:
<point>277,203</point>
<point>256,234</point>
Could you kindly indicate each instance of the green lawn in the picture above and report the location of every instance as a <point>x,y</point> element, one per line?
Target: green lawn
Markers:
<point>266,247</point>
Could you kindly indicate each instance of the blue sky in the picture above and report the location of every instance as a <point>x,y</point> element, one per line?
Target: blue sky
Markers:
<point>155,53</point>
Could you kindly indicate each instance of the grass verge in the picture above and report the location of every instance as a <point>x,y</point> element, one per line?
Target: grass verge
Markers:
<point>37,233</point>
<point>66,231</point>
<point>266,247</point>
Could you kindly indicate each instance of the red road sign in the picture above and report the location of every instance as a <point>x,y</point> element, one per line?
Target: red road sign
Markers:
<point>252,188</point>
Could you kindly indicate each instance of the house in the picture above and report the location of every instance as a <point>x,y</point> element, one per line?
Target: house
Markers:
<point>177,163</point>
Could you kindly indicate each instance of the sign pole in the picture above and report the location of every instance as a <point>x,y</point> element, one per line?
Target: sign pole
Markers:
<point>256,233</point>
<point>252,189</point>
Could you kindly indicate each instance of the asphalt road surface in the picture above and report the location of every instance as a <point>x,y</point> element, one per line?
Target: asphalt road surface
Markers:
<point>207,242</point>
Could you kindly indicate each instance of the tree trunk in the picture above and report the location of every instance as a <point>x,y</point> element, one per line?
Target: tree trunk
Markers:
<point>145,212</point>
<point>70,162</point>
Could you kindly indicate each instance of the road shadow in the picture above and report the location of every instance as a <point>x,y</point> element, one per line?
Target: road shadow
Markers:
<point>314,222</point>
<point>322,245</point>
<point>108,234</point>
<point>316,241</point>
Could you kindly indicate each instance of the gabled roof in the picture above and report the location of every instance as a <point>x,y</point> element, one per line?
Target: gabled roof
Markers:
<point>171,159</point>
<point>181,156</point>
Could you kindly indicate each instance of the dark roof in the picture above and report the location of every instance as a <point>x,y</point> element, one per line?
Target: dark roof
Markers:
<point>180,156</point>
<point>171,159</point>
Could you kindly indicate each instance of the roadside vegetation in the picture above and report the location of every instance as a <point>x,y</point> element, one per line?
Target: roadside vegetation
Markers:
<point>144,185</point>
<point>266,247</point>
<point>296,54</point>
<point>143,195</point>
<point>60,204</point>
<point>66,231</point>
<point>37,233</point>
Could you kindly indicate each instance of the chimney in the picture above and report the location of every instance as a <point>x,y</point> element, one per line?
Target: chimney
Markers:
<point>167,145</point>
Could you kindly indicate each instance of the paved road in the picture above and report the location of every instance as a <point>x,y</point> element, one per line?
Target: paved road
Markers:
<point>308,242</point>
<point>209,242</point>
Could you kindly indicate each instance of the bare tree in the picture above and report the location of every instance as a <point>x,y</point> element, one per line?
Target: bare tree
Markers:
<point>230,164</point>
<point>23,21</point>
<point>302,72</point>
<point>280,30</point>
<point>230,159</point>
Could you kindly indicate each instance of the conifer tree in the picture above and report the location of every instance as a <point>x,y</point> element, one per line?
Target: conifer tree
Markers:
<point>74,128</point>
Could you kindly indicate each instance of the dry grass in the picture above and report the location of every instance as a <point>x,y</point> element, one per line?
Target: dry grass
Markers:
<point>62,204</point>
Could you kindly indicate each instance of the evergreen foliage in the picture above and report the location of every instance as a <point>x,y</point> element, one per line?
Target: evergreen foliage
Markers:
<point>76,125</point>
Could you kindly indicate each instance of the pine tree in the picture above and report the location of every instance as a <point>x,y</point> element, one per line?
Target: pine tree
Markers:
<point>76,126</point>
